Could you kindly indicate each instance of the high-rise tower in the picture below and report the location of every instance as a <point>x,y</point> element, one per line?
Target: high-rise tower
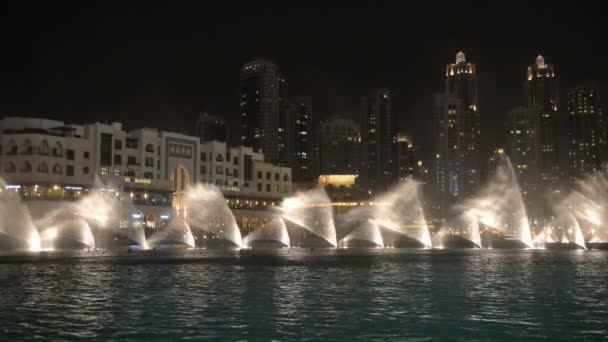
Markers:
<point>458,129</point>
<point>586,132</point>
<point>378,140</point>
<point>542,97</point>
<point>260,94</point>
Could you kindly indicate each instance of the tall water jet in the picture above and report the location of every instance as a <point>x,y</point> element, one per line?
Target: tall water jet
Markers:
<point>312,211</point>
<point>499,205</point>
<point>16,224</point>
<point>68,234</point>
<point>273,231</point>
<point>206,209</point>
<point>367,232</point>
<point>470,217</point>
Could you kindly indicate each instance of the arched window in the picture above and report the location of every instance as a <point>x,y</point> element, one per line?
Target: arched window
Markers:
<point>148,175</point>
<point>12,147</point>
<point>149,148</point>
<point>43,168</point>
<point>58,150</point>
<point>57,169</point>
<point>10,167</point>
<point>27,148</point>
<point>285,178</point>
<point>219,158</point>
<point>44,148</point>
<point>276,177</point>
<point>26,167</point>
<point>149,162</point>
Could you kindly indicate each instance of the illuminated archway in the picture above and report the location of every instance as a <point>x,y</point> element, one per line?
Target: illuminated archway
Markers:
<point>151,220</point>
<point>181,183</point>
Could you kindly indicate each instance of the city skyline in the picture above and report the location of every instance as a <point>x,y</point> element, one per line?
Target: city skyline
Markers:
<point>151,74</point>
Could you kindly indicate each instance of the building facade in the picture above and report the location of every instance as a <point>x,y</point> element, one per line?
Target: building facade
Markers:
<point>147,168</point>
<point>260,90</point>
<point>522,147</point>
<point>458,132</point>
<point>408,166</point>
<point>301,164</point>
<point>338,147</point>
<point>542,96</point>
<point>211,128</point>
<point>586,133</point>
<point>378,141</point>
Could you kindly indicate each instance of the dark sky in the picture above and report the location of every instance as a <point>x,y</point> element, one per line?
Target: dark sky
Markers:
<point>144,64</point>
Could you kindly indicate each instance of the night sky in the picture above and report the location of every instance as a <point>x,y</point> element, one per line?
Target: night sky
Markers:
<point>157,66</point>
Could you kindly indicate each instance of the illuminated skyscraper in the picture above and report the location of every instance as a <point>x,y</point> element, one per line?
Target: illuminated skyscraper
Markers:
<point>586,132</point>
<point>542,97</point>
<point>378,140</point>
<point>260,94</point>
<point>301,136</point>
<point>458,130</point>
<point>522,147</point>
<point>338,147</point>
<point>407,164</point>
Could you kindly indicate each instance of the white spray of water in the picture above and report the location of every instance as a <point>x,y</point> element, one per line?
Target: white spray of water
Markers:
<point>498,205</point>
<point>274,230</point>
<point>312,211</point>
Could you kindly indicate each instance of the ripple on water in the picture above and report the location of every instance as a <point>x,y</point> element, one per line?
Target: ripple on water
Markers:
<point>418,296</point>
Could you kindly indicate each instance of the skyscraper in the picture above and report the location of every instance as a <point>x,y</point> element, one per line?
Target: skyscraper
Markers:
<point>542,97</point>
<point>586,132</point>
<point>458,130</point>
<point>285,127</point>
<point>260,90</point>
<point>302,135</point>
<point>522,147</point>
<point>211,127</point>
<point>407,164</point>
<point>378,138</point>
<point>338,147</point>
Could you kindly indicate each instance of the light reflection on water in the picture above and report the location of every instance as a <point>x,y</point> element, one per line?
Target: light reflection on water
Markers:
<point>466,295</point>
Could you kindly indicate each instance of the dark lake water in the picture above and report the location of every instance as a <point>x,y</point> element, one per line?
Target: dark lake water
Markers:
<point>421,295</point>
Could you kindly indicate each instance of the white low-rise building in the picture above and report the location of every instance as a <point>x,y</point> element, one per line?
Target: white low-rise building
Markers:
<point>49,160</point>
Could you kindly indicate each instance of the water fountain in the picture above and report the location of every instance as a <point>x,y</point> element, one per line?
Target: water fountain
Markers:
<point>498,206</point>
<point>397,212</point>
<point>313,212</point>
<point>17,230</point>
<point>206,210</point>
<point>178,232</point>
<point>272,232</point>
<point>365,234</point>
<point>68,234</point>
<point>587,203</point>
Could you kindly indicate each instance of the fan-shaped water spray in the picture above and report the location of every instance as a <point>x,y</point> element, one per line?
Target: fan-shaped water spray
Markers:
<point>311,211</point>
<point>499,205</point>
<point>69,234</point>
<point>177,232</point>
<point>207,210</point>
<point>274,231</point>
<point>368,232</point>
<point>15,222</point>
<point>398,210</point>
<point>588,203</point>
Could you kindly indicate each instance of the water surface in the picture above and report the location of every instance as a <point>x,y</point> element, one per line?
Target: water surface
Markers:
<point>418,295</point>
